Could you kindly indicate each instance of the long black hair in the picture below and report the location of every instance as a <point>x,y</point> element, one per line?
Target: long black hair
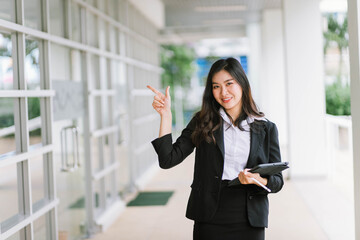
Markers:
<point>208,119</point>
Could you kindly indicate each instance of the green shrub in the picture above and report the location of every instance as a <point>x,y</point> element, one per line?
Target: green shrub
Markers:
<point>338,99</point>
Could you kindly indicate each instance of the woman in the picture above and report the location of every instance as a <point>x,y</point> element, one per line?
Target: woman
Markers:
<point>230,136</point>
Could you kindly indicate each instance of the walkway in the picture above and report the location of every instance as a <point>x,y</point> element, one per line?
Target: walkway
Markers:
<point>290,216</point>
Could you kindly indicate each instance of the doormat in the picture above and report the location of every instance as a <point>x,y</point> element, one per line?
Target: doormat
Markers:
<point>80,203</point>
<point>151,199</point>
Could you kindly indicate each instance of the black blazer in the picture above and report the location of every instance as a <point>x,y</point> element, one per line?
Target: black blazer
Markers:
<point>209,163</point>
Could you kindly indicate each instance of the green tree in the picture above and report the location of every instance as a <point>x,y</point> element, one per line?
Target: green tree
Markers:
<point>178,64</point>
<point>337,93</point>
<point>336,32</point>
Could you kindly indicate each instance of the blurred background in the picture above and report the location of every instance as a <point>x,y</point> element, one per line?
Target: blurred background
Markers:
<point>76,119</point>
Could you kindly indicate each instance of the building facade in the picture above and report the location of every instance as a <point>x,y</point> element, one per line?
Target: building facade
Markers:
<point>75,123</point>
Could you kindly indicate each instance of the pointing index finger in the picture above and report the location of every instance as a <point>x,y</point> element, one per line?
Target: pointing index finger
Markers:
<point>153,89</point>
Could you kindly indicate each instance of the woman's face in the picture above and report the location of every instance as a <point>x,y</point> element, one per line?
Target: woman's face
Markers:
<point>227,93</point>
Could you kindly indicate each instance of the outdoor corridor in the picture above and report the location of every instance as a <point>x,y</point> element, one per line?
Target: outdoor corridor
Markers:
<point>291,217</point>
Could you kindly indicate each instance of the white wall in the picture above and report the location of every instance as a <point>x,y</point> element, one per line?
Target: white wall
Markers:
<point>305,87</point>
<point>272,87</point>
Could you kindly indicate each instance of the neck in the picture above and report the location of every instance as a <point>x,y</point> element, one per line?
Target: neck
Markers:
<point>234,113</point>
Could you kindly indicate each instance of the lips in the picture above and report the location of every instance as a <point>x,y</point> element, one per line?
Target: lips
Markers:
<point>226,100</point>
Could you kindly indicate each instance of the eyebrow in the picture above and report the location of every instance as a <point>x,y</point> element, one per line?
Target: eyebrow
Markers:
<point>224,81</point>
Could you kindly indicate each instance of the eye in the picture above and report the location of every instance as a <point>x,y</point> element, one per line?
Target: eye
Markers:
<point>215,87</point>
<point>229,83</point>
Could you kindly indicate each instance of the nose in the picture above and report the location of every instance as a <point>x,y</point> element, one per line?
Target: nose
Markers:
<point>223,91</point>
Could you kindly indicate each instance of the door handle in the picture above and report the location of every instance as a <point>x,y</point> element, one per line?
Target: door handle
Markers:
<point>69,133</point>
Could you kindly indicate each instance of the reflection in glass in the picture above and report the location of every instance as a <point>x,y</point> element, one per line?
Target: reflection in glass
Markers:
<point>6,62</point>
<point>40,228</point>
<point>32,12</point>
<point>75,22</point>
<point>32,66</point>
<point>57,17</point>
<point>37,179</point>
<point>98,113</point>
<point>7,10</point>
<point>91,2</point>
<point>92,30</point>
<point>34,125</point>
<point>76,65</point>
<point>15,236</point>
<point>60,62</point>
<point>7,128</point>
<point>94,148</point>
<point>9,192</point>
<point>109,185</point>
<point>70,188</point>
<point>95,72</point>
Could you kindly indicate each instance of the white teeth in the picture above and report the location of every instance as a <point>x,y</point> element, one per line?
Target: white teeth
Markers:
<point>226,99</point>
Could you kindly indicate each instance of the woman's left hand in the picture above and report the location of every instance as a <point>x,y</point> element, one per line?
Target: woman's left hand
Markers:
<point>246,177</point>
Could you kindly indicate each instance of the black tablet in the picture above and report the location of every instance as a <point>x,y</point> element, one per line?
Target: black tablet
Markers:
<point>269,168</point>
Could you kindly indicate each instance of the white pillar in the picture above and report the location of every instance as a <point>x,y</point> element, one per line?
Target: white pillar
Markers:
<point>353,28</point>
<point>305,87</point>
<point>253,32</point>
<point>272,87</point>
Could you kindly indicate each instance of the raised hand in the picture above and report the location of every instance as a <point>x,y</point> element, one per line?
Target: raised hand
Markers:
<point>162,103</point>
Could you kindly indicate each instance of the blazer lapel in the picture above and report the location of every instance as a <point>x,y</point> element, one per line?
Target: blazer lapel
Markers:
<point>219,138</point>
<point>256,140</point>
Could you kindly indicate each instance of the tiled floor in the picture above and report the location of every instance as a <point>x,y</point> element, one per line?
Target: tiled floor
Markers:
<point>290,216</point>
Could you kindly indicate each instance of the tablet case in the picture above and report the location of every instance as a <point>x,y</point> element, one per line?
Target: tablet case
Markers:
<point>265,169</point>
<point>268,169</point>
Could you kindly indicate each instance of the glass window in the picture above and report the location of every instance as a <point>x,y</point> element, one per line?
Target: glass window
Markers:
<point>9,192</point>
<point>98,113</point>
<point>107,150</point>
<point>32,12</point>
<point>32,66</point>
<point>37,180</point>
<point>7,10</point>
<point>40,228</point>
<point>98,187</point>
<point>91,2</point>
<point>106,111</point>
<point>112,39</point>
<point>57,17</point>
<point>92,29</point>
<point>75,22</point>
<point>7,128</point>
<point>123,172</point>
<point>110,8</point>
<point>120,82</point>
<point>75,65</point>
<point>34,124</point>
<point>95,72</point>
<point>15,236</point>
<point>60,63</point>
<point>95,142</point>
<point>109,185</point>
<point>6,62</point>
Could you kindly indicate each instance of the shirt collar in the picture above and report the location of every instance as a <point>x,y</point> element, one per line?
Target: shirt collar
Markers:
<point>249,119</point>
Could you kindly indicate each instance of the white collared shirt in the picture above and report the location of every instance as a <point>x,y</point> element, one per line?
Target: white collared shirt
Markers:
<point>236,144</point>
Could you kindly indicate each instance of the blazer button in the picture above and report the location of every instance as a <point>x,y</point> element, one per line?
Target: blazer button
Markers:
<point>216,176</point>
<point>250,197</point>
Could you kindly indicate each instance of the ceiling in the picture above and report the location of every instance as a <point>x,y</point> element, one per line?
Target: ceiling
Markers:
<point>191,20</point>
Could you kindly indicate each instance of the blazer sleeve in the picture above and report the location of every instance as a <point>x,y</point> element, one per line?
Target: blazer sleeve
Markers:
<point>169,154</point>
<point>275,182</point>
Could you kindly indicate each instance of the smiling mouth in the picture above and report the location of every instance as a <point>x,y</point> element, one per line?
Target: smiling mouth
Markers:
<point>226,100</point>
